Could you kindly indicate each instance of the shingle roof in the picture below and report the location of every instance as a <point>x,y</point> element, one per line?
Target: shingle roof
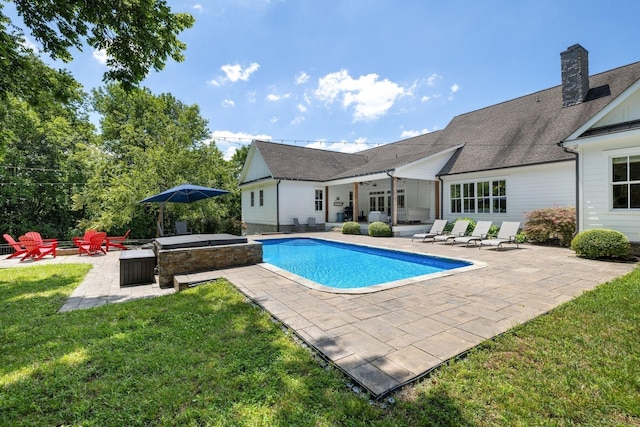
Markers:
<point>308,164</point>
<point>522,131</point>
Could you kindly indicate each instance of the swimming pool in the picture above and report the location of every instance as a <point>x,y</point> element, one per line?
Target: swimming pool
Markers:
<point>354,268</point>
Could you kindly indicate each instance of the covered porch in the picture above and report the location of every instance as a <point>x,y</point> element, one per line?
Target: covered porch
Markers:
<point>400,230</point>
<point>407,204</point>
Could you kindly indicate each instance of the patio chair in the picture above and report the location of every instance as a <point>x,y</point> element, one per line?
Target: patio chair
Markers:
<point>38,238</point>
<point>18,248</point>
<point>35,249</point>
<point>479,232</point>
<point>181,228</point>
<point>77,241</point>
<point>95,245</point>
<point>437,228</point>
<point>459,228</point>
<point>311,224</point>
<point>117,241</point>
<point>507,234</point>
<point>161,232</point>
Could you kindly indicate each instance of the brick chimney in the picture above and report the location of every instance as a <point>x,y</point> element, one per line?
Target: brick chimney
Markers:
<point>575,75</point>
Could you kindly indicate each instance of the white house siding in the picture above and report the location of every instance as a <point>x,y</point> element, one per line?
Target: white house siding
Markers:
<point>595,190</point>
<point>628,110</point>
<point>297,200</point>
<point>258,169</point>
<point>528,188</point>
<point>425,169</point>
<point>256,214</point>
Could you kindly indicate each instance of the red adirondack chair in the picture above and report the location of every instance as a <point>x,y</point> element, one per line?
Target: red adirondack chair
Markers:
<point>117,241</point>
<point>95,244</point>
<point>38,238</point>
<point>84,239</point>
<point>17,247</point>
<point>37,250</point>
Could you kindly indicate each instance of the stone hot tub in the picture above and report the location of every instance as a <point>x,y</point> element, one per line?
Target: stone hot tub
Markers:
<point>194,253</point>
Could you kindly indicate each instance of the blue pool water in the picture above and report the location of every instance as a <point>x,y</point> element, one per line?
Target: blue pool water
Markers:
<point>347,266</point>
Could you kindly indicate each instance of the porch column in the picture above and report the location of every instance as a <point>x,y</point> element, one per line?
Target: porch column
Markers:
<point>326,204</point>
<point>394,200</point>
<point>356,212</point>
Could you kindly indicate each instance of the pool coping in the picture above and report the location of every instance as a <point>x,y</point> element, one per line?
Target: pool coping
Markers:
<point>372,288</point>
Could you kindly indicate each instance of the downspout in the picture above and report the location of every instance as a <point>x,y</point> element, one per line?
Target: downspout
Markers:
<point>568,150</point>
<point>278,206</point>
<point>392,208</point>
<point>441,213</point>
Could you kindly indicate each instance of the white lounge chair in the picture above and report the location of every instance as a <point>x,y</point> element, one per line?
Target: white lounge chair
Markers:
<point>479,232</point>
<point>507,234</point>
<point>459,228</point>
<point>436,229</point>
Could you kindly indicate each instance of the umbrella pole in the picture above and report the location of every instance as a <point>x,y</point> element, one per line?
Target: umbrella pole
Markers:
<point>160,219</point>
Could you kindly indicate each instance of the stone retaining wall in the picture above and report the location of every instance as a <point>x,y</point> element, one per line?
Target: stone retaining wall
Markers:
<point>194,260</point>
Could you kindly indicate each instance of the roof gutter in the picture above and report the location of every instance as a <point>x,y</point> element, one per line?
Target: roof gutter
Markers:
<point>575,152</point>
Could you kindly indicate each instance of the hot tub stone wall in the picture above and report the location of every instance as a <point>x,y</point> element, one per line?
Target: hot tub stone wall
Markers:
<point>194,260</point>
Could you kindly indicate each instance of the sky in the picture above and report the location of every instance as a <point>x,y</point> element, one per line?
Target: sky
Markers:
<point>349,75</point>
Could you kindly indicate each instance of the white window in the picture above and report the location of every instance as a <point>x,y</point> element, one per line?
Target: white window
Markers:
<point>253,198</point>
<point>261,197</point>
<point>319,199</point>
<point>479,197</point>
<point>625,182</point>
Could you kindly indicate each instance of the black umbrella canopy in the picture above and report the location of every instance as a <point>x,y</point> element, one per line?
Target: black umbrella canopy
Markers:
<point>185,193</point>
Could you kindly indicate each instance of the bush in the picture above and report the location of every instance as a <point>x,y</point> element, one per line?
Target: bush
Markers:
<point>379,229</point>
<point>350,228</point>
<point>543,225</point>
<point>599,243</point>
<point>450,224</point>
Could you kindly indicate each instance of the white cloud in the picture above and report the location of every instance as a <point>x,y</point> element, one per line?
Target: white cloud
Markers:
<point>233,73</point>
<point>453,89</point>
<point>302,108</point>
<point>297,120</point>
<point>341,146</point>
<point>371,98</point>
<point>273,97</point>
<point>432,79</point>
<point>28,44</point>
<point>227,103</point>
<point>302,78</point>
<point>274,119</point>
<point>425,98</point>
<point>251,96</point>
<point>228,142</point>
<point>100,55</point>
<point>412,133</point>
<point>198,7</point>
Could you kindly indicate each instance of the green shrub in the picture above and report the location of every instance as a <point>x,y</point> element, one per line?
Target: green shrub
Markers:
<point>350,228</point>
<point>450,224</point>
<point>379,229</point>
<point>546,224</point>
<point>599,243</point>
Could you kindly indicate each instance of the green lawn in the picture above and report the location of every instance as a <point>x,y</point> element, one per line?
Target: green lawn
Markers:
<point>207,357</point>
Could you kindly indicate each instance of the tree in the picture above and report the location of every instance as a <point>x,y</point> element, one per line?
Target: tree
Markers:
<point>39,171</point>
<point>150,143</point>
<point>136,35</point>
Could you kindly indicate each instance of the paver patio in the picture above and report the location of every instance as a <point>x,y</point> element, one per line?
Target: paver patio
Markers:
<point>386,339</point>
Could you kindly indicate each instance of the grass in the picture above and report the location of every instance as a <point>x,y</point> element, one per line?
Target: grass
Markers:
<point>207,357</point>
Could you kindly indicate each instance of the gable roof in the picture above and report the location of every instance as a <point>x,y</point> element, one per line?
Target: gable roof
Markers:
<point>523,131</point>
<point>307,164</point>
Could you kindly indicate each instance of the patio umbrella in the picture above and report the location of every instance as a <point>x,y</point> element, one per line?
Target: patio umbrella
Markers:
<point>184,193</point>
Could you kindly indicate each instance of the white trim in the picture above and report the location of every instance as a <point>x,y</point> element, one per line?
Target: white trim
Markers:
<point>606,110</point>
